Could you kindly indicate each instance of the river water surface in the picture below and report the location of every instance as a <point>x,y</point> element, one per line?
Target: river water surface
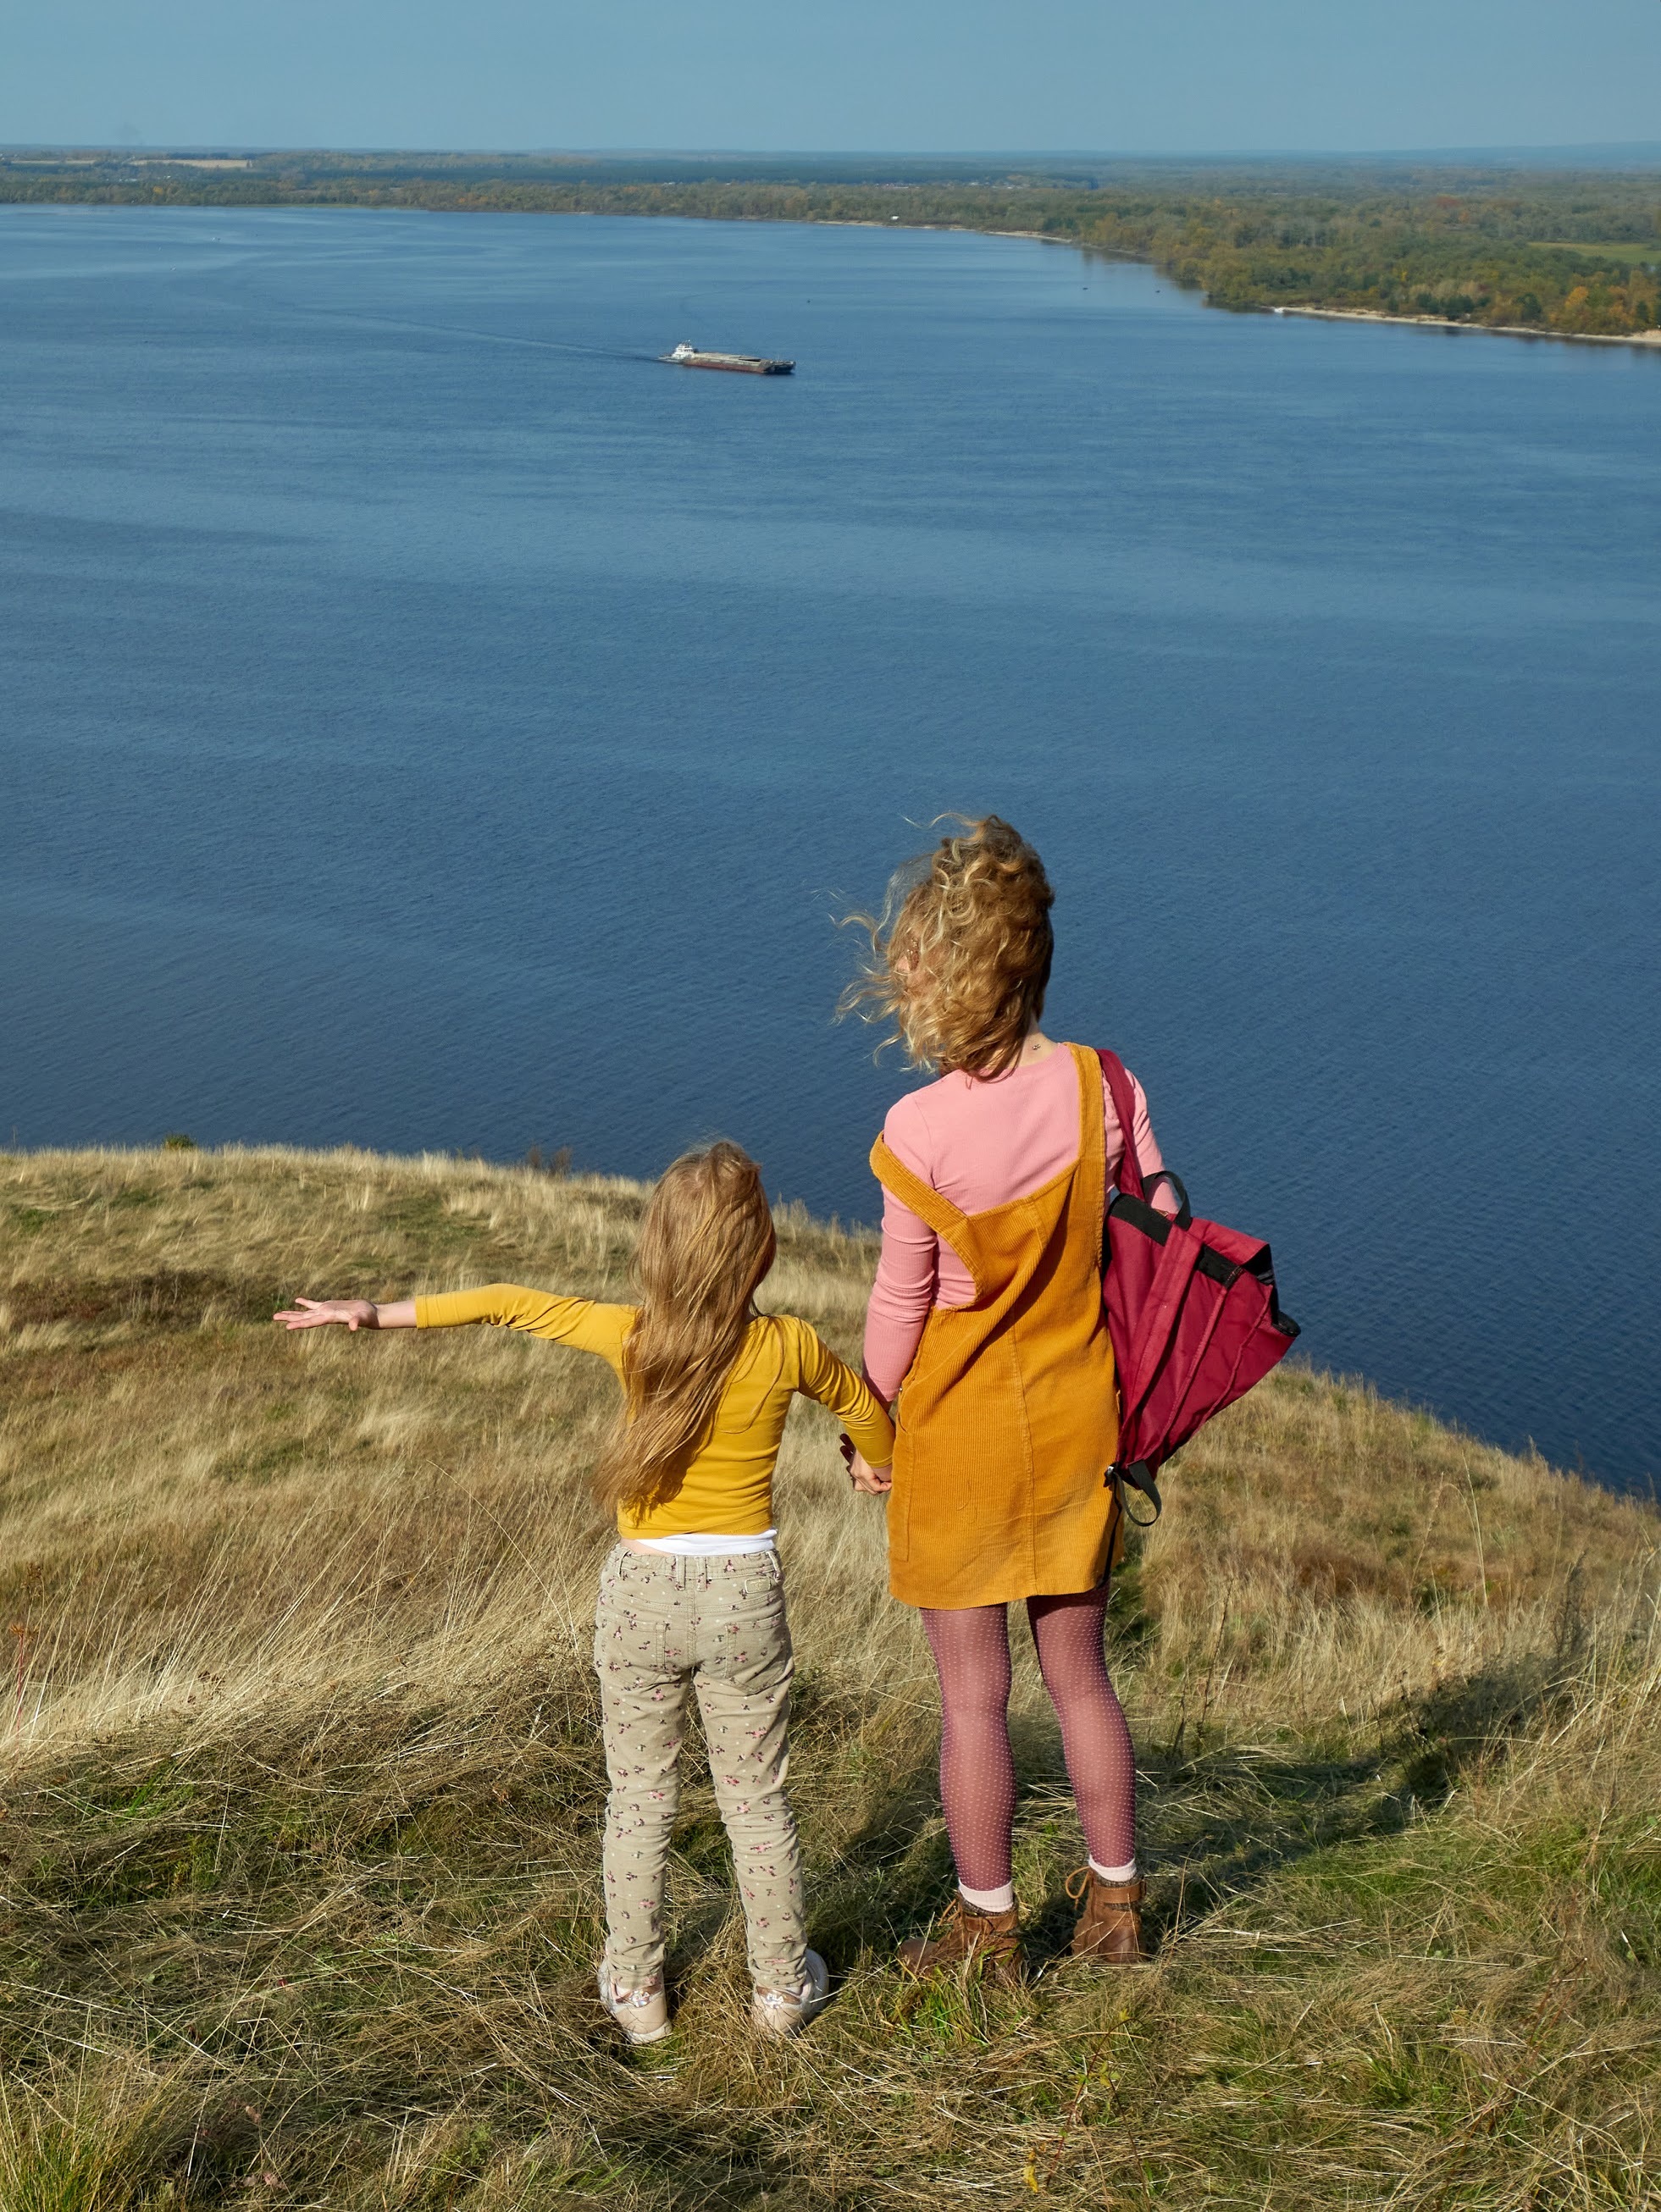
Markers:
<point>429,722</point>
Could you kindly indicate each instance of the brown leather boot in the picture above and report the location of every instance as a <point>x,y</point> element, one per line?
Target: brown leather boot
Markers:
<point>1109,1925</point>
<point>965,1934</point>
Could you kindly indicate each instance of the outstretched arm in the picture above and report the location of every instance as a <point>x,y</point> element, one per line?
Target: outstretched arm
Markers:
<point>579,1321</point>
<point>350,1313</point>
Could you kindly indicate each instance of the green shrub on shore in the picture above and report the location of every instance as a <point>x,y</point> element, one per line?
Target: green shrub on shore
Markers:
<point>300,1785</point>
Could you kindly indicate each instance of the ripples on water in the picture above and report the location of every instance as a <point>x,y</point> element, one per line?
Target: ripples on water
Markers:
<point>430,722</point>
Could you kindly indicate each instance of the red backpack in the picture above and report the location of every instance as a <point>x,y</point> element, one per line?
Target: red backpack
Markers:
<point>1191,1311</point>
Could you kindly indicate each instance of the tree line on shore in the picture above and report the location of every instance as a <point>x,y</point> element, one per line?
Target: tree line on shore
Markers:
<point>1577,254</point>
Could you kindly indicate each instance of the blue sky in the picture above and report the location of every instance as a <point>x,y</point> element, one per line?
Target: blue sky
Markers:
<point>922,76</point>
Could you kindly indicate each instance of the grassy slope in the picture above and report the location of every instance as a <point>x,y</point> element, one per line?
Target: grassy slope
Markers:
<point>300,1790</point>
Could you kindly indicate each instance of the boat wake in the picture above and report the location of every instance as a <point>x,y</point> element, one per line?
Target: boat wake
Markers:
<point>484,338</point>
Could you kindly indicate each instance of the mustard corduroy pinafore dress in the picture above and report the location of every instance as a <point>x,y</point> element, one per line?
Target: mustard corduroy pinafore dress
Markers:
<point>1008,1417</point>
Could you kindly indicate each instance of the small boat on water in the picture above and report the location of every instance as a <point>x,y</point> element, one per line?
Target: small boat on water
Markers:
<point>745,364</point>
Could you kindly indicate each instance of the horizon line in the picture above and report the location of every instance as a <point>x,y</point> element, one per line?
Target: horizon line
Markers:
<point>1099,155</point>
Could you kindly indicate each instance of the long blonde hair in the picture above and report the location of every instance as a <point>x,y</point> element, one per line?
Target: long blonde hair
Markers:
<point>706,1240</point>
<point>961,953</point>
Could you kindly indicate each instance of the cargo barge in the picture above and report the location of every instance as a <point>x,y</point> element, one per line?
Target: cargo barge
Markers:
<point>745,364</point>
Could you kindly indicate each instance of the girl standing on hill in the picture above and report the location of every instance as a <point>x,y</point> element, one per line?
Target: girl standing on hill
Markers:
<point>987,1321</point>
<point>693,1593</point>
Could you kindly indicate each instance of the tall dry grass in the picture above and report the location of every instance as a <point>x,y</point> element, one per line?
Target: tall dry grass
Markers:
<point>301,1787</point>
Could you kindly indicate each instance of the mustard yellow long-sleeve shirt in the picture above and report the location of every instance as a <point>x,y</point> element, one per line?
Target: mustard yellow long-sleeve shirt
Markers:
<point>729,1489</point>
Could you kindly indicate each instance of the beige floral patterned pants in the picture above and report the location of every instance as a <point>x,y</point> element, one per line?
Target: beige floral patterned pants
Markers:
<point>716,1626</point>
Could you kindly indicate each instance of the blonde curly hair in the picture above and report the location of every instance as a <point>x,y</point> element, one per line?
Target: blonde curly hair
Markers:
<point>960,952</point>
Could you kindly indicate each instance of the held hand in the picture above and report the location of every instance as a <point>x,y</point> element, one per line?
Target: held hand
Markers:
<point>318,1313</point>
<point>872,1481</point>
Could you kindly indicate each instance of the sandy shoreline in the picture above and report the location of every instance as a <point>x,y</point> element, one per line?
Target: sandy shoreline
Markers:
<point>1649,338</point>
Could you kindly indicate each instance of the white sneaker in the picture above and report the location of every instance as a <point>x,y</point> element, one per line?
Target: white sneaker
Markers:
<point>787,2012</point>
<point>642,2014</point>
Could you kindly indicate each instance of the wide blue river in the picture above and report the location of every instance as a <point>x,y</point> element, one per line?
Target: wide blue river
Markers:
<point>430,722</point>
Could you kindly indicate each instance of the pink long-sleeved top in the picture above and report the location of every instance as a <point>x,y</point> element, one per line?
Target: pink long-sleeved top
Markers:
<point>980,1143</point>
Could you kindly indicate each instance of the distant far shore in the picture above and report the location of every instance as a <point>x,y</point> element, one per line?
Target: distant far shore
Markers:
<point>1529,253</point>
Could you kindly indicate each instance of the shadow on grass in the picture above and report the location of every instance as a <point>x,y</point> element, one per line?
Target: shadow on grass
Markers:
<point>228,1912</point>
<point>1216,1824</point>
<point>1223,1823</point>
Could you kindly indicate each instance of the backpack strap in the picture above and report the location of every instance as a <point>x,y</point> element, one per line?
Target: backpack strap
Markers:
<point>1139,1475</point>
<point>1121,1091</point>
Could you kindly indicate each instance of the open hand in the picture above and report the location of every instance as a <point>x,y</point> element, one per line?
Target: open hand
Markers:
<point>318,1313</point>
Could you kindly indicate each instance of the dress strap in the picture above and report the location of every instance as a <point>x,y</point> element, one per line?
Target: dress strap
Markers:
<point>934,1212</point>
<point>1093,1134</point>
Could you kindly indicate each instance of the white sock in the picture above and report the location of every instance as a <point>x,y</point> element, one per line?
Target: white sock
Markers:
<point>1002,1900</point>
<point>1126,1872</point>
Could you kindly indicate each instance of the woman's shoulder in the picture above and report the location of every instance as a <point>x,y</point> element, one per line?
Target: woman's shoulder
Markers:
<point>910,1109</point>
<point>955,1097</point>
<point>908,1126</point>
<point>1136,1090</point>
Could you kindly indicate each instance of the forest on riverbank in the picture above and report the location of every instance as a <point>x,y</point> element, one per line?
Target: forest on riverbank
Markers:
<point>301,1784</point>
<point>1577,253</point>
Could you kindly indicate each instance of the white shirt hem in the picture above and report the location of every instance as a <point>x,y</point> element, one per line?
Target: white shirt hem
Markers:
<point>705,1547</point>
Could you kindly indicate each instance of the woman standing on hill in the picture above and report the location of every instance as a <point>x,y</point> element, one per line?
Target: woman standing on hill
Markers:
<point>987,1321</point>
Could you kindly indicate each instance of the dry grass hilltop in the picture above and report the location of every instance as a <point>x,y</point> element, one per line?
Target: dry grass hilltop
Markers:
<point>301,1786</point>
